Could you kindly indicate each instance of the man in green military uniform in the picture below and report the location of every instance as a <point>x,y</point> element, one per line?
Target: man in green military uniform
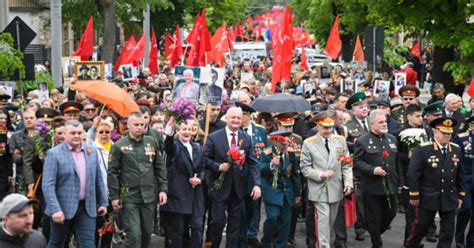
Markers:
<point>136,175</point>
<point>280,189</point>
<point>409,95</point>
<point>356,127</point>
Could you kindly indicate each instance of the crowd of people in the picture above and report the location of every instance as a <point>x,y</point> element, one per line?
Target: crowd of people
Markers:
<point>72,171</point>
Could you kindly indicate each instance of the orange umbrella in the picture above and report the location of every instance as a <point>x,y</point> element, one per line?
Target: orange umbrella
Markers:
<point>108,94</point>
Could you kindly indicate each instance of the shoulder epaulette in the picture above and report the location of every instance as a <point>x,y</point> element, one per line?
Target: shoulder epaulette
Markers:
<point>337,136</point>
<point>454,144</point>
<point>462,135</point>
<point>427,143</point>
<point>311,139</point>
<point>268,151</point>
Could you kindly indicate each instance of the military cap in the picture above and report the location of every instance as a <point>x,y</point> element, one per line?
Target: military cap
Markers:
<point>395,102</point>
<point>318,107</point>
<point>4,98</point>
<point>47,114</point>
<point>435,108</point>
<point>286,119</point>
<point>373,104</point>
<point>83,67</point>
<point>70,106</point>
<point>409,90</point>
<point>279,135</point>
<point>245,108</point>
<point>355,100</point>
<point>325,118</point>
<point>444,124</point>
<point>383,103</point>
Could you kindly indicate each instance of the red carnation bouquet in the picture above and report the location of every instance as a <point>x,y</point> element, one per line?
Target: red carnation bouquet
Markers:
<point>236,158</point>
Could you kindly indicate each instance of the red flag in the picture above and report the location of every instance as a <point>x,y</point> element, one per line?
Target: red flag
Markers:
<point>470,90</point>
<point>333,46</point>
<point>281,68</point>
<point>125,52</point>
<point>304,60</point>
<point>137,53</point>
<point>358,54</point>
<point>153,58</point>
<point>86,44</point>
<point>238,32</point>
<point>220,44</point>
<point>192,34</point>
<point>169,45</point>
<point>177,49</point>
<point>416,50</point>
<point>200,43</point>
<point>230,33</point>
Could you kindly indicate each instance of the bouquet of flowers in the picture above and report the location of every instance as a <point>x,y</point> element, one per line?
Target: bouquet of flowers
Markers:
<point>276,138</point>
<point>109,224</point>
<point>385,155</point>
<point>180,109</point>
<point>43,137</point>
<point>236,158</point>
<point>413,137</point>
<point>226,104</point>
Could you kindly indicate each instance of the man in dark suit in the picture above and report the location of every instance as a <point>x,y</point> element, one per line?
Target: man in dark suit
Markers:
<point>228,196</point>
<point>436,184</point>
<point>452,106</point>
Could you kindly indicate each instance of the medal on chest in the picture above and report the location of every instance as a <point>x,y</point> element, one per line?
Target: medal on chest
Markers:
<point>433,160</point>
<point>149,152</point>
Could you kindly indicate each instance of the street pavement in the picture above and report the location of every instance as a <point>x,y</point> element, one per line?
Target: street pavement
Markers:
<point>392,238</point>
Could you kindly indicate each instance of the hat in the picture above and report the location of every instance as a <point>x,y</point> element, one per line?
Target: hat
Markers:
<point>279,135</point>
<point>70,106</point>
<point>435,108</point>
<point>299,90</point>
<point>355,100</point>
<point>47,114</point>
<point>286,119</point>
<point>244,86</point>
<point>373,103</point>
<point>383,103</point>
<point>13,203</point>
<point>395,101</point>
<point>244,107</point>
<point>4,98</point>
<point>409,90</point>
<point>83,67</point>
<point>444,124</point>
<point>325,118</point>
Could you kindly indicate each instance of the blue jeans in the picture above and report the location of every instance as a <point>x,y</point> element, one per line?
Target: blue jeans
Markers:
<point>81,224</point>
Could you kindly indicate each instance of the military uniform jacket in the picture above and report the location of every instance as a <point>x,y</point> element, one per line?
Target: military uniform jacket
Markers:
<point>288,178</point>
<point>464,140</point>
<point>315,160</point>
<point>372,151</point>
<point>259,144</point>
<point>139,166</point>
<point>400,116</point>
<point>354,130</point>
<point>435,180</point>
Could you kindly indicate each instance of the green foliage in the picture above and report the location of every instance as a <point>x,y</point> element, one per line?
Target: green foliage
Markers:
<point>40,76</point>
<point>10,58</point>
<point>392,52</point>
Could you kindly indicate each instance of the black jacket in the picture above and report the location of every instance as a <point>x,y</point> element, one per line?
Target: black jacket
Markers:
<point>32,240</point>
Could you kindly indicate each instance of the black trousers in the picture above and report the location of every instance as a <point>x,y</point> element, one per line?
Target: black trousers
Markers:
<point>465,217</point>
<point>233,206</point>
<point>359,226</point>
<point>311,235</point>
<point>423,220</point>
<point>410,213</point>
<point>379,215</point>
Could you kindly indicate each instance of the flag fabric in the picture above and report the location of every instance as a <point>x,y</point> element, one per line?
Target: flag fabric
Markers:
<point>177,49</point>
<point>129,46</point>
<point>358,54</point>
<point>238,32</point>
<point>333,46</point>
<point>137,53</point>
<point>153,57</point>
<point>281,68</point>
<point>470,90</point>
<point>169,44</point>
<point>86,44</point>
<point>230,33</point>
<point>416,50</point>
<point>304,60</point>
<point>200,43</point>
<point>220,44</point>
<point>193,30</point>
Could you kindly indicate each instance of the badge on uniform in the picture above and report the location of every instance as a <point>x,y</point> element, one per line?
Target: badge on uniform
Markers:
<point>149,151</point>
<point>393,146</point>
<point>126,148</point>
<point>434,161</point>
<point>455,160</point>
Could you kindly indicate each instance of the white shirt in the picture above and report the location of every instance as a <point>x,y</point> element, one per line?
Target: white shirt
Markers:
<point>249,130</point>
<point>441,147</point>
<point>189,147</point>
<point>363,122</point>
<point>229,136</point>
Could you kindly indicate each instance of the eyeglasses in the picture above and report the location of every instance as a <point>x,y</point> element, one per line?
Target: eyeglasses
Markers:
<point>89,110</point>
<point>102,132</point>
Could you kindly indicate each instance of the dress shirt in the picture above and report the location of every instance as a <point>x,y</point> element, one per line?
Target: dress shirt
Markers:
<point>81,165</point>
<point>229,136</point>
<point>189,147</point>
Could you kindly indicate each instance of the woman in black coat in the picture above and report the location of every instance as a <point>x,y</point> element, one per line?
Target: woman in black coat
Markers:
<point>185,167</point>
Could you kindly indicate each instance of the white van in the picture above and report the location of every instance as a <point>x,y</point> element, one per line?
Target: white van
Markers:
<point>248,50</point>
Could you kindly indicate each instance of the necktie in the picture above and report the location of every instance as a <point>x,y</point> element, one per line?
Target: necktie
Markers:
<point>444,152</point>
<point>326,144</point>
<point>233,142</point>
<point>246,130</point>
<point>365,126</point>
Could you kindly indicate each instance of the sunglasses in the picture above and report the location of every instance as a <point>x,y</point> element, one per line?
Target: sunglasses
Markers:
<point>89,110</point>
<point>102,132</point>
<point>408,98</point>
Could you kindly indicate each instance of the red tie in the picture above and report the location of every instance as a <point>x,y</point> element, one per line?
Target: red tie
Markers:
<point>233,142</point>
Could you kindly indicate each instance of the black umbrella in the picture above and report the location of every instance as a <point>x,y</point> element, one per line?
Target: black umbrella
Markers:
<point>281,103</point>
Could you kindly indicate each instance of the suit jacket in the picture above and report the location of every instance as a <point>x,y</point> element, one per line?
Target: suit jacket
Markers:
<point>215,153</point>
<point>288,186</point>
<point>61,182</point>
<point>315,160</point>
<point>369,153</point>
<point>182,197</point>
<point>459,118</point>
<point>435,180</point>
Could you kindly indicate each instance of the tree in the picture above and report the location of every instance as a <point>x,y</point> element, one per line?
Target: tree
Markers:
<point>10,58</point>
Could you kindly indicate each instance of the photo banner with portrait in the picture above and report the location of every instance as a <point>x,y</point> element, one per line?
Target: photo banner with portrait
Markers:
<point>348,85</point>
<point>8,88</point>
<point>186,82</point>
<point>128,71</point>
<point>68,65</point>
<point>90,70</point>
<point>43,92</point>
<point>382,87</point>
<point>211,85</point>
<point>400,81</point>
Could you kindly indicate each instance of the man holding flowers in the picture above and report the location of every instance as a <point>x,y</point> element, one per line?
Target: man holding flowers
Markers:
<point>325,161</point>
<point>226,176</point>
